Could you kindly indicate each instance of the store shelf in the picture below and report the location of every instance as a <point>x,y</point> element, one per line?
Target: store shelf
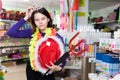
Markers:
<point>13,46</point>
<point>73,67</point>
<point>10,21</point>
<point>12,59</point>
<point>12,49</point>
<point>105,22</point>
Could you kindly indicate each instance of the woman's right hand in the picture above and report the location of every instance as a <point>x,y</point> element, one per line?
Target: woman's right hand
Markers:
<point>29,12</point>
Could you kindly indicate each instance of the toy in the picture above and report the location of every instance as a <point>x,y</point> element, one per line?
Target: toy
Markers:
<point>2,72</point>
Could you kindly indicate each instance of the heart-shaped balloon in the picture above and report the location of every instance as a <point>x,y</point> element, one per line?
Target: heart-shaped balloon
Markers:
<point>48,49</point>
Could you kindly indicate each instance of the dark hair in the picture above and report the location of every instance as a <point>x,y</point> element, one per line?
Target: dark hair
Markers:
<point>44,12</point>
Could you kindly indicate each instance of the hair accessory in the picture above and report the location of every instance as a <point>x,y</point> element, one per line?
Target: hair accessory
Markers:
<point>37,8</point>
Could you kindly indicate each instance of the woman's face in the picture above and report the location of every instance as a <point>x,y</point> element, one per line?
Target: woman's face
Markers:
<point>41,21</point>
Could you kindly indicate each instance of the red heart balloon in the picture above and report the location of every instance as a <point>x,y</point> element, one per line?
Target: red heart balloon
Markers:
<point>48,54</point>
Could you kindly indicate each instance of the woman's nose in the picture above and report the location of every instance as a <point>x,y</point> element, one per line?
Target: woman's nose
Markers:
<point>40,21</point>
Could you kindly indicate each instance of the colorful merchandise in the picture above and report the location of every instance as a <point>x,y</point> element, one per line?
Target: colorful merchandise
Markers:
<point>45,46</point>
<point>0,4</point>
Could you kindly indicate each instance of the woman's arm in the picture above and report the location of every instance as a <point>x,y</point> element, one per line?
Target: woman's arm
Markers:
<point>61,38</point>
<point>15,31</point>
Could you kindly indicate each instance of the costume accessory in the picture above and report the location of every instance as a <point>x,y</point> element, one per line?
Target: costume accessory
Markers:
<point>44,50</point>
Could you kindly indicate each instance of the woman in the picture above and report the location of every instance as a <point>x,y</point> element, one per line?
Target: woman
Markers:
<point>41,23</point>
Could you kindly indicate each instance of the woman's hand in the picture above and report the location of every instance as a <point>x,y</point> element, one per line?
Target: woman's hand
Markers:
<point>54,67</point>
<point>29,12</point>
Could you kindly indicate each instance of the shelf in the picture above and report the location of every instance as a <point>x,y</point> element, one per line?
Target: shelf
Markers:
<point>12,21</point>
<point>105,22</point>
<point>9,43</point>
<point>110,50</point>
<point>12,59</point>
<point>13,46</point>
<point>72,67</point>
<point>5,54</point>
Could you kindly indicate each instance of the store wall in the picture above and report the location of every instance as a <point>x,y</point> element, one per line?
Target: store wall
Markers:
<point>104,12</point>
<point>83,12</point>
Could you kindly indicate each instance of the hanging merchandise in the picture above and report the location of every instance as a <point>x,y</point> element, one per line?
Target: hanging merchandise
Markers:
<point>63,14</point>
<point>0,4</point>
<point>75,20</point>
<point>64,21</point>
<point>64,6</point>
<point>53,15</point>
<point>76,5</point>
<point>118,14</point>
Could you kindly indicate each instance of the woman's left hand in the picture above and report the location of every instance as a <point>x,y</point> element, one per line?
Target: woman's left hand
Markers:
<point>54,67</point>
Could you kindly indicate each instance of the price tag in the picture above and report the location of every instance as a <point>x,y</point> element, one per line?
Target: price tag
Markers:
<point>91,60</point>
<point>48,43</point>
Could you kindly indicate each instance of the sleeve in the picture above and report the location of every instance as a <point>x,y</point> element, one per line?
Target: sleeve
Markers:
<point>15,31</point>
<point>64,62</point>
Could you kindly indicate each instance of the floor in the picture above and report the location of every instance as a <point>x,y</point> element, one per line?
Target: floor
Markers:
<point>16,72</point>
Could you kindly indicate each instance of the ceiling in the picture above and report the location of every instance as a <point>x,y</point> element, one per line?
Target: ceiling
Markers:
<point>53,4</point>
<point>24,4</point>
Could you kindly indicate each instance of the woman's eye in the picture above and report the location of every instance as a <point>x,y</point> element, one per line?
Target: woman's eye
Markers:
<point>36,19</point>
